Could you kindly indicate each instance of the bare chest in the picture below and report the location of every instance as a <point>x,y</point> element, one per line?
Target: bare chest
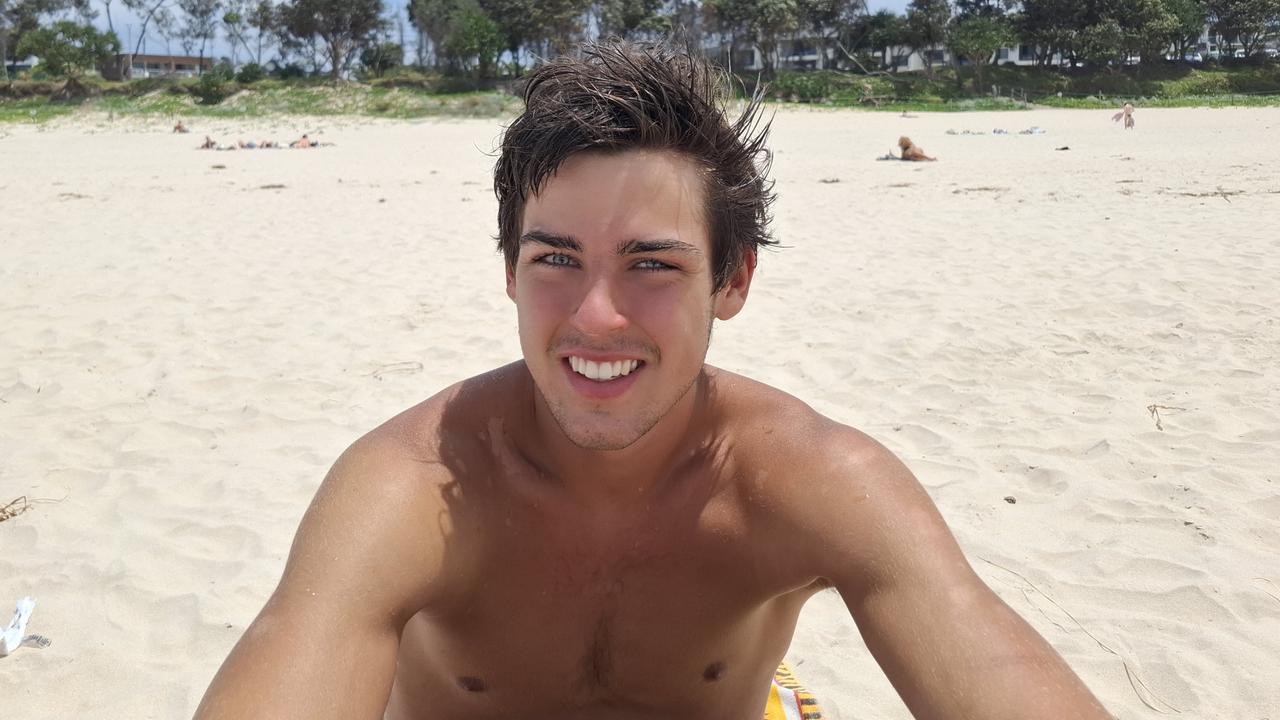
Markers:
<point>668,624</point>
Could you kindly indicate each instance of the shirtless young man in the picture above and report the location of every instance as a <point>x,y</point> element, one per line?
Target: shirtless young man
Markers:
<point>609,528</point>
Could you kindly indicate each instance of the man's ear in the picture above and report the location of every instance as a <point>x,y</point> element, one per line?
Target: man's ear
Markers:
<point>730,299</point>
<point>511,282</point>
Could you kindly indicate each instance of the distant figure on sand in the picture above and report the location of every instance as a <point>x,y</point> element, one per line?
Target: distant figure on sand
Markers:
<point>180,128</point>
<point>208,144</point>
<point>302,144</point>
<point>911,151</point>
<point>1127,114</point>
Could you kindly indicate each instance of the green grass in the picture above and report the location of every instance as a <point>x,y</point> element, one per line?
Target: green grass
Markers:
<point>1205,101</point>
<point>33,110</point>
<point>270,98</point>
<point>420,95</point>
<point>1161,85</point>
<point>983,104</point>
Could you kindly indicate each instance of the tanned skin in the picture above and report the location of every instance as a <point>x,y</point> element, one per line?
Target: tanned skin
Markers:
<point>911,151</point>
<point>532,543</point>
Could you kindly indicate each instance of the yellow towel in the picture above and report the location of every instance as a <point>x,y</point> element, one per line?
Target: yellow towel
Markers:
<point>788,700</point>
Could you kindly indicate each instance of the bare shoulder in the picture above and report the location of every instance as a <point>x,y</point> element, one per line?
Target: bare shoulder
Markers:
<point>385,537</point>
<point>390,520</point>
<point>849,506</point>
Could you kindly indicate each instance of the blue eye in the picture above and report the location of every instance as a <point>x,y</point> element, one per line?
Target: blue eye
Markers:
<point>557,259</point>
<point>652,265</point>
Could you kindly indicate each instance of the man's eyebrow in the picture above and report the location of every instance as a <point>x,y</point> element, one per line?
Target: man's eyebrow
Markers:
<point>634,247</point>
<point>560,242</point>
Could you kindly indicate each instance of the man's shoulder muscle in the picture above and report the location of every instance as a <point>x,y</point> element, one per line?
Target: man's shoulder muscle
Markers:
<point>845,502</point>
<point>390,503</point>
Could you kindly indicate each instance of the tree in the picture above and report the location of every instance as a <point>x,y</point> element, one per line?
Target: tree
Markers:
<point>200,22</point>
<point>1189,17</point>
<point>341,25</point>
<point>543,25</point>
<point>431,18</point>
<point>1148,27</point>
<point>150,11</point>
<point>378,58</point>
<point>886,31</point>
<point>235,24</point>
<point>474,41</point>
<point>68,49</point>
<point>977,38</point>
<point>264,19</point>
<point>830,19</point>
<point>762,22</point>
<point>926,28</point>
<point>1051,26</point>
<point>1101,43</point>
<point>1246,22</point>
<point>631,18</point>
<point>966,9</point>
<point>19,17</point>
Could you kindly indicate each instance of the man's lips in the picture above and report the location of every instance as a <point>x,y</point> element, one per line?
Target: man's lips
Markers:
<point>601,379</point>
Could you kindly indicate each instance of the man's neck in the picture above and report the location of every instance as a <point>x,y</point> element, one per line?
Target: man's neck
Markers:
<point>601,478</point>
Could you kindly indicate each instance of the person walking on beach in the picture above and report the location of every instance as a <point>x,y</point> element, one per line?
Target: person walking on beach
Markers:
<point>1126,114</point>
<point>609,527</point>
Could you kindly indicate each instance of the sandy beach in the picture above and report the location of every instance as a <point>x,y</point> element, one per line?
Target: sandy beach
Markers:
<point>1071,337</point>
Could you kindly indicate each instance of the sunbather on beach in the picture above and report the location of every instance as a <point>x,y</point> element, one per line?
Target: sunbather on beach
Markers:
<point>609,527</point>
<point>911,151</point>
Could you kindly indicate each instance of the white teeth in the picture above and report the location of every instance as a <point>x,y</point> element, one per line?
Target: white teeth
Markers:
<point>603,372</point>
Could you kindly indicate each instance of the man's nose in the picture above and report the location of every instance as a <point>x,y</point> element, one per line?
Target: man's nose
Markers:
<point>598,313</point>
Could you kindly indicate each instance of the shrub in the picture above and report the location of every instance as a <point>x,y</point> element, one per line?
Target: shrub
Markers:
<point>223,71</point>
<point>378,58</point>
<point>292,71</point>
<point>1198,83</point>
<point>803,86</point>
<point>212,88</point>
<point>250,74</point>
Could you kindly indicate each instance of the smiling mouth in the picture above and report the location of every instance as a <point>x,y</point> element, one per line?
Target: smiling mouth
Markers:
<point>603,371</point>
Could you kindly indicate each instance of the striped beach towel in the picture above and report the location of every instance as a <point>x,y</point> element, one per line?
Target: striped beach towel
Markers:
<point>788,700</point>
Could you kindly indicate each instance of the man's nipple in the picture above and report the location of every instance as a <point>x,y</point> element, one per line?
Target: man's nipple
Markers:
<point>715,671</point>
<point>472,684</point>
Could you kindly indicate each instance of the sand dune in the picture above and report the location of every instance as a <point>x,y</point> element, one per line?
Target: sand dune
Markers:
<point>190,338</point>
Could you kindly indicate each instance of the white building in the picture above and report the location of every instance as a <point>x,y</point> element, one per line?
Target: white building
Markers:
<point>806,52</point>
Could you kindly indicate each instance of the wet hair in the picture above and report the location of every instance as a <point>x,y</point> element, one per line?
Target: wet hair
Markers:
<point>620,96</point>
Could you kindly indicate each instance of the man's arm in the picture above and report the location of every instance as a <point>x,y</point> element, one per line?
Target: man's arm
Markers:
<point>950,646</point>
<point>362,563</point>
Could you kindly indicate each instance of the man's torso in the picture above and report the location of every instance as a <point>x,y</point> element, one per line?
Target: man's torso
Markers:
<point>680,604</point>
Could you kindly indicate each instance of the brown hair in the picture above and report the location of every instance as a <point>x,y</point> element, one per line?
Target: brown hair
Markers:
<point>622,96</point>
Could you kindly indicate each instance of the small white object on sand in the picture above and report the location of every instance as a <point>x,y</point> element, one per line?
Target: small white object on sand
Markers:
<point>13,637</point>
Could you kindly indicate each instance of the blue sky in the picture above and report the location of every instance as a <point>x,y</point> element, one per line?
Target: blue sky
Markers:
<point>128,26</point>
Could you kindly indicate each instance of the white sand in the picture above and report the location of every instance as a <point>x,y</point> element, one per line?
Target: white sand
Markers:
<point>183,353</point>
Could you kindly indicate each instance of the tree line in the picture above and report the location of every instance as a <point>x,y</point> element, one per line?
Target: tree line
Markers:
<point>491,38</point>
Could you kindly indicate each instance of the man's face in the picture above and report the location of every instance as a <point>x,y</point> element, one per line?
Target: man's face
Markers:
<point>613,291</point>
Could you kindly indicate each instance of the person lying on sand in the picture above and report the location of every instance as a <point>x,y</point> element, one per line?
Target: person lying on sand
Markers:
<point>208,144</point>
<point>911,151</point>
<point>303,143</point>
<point>609,527</point>
<point>1126,113</point>
<point>180,128</point>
